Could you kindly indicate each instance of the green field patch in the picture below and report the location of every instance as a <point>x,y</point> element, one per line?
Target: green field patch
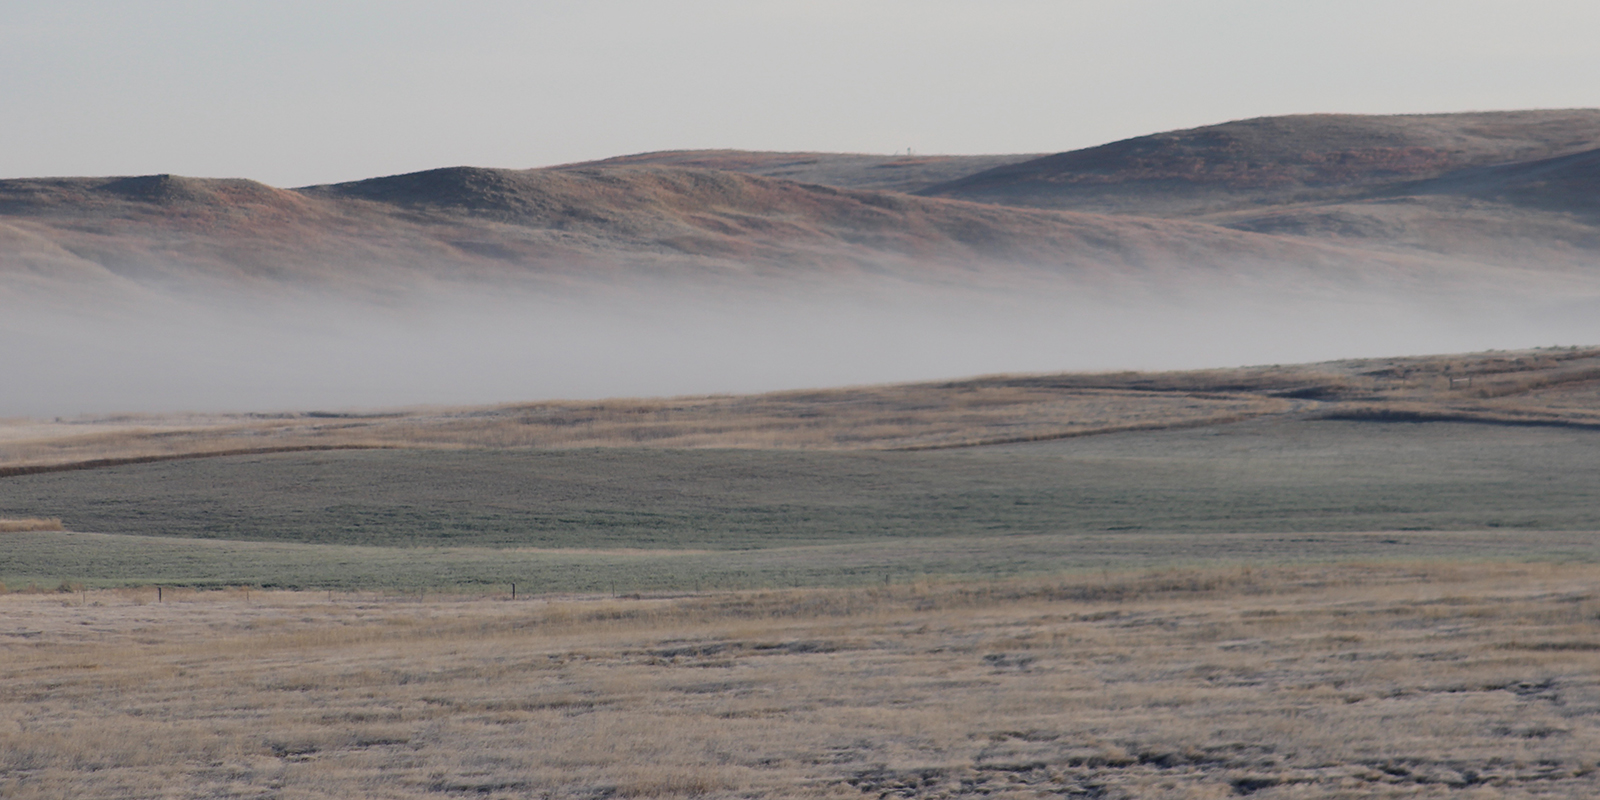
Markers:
<point>588,520</point>
<point>47,559</point>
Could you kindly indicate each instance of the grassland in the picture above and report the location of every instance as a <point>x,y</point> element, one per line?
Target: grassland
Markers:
<point>29,524</point>
<point>1357,578</point>
<point>1401,680</point>
<point>1557,386</point>
<point>873,418</point>
<point>1363,579</point>
<point>1267,491</point>
<point>826,488</point>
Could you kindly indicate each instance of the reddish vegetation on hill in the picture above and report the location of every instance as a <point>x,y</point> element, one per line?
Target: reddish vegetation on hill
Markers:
<point>1262,199</point>
<point>592,226</point>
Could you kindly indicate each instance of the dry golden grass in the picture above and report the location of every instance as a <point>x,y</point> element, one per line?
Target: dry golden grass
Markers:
<point>1471,680</point>
<point>30,524</point>
<point>1539,387</point>
<point>885,417</point>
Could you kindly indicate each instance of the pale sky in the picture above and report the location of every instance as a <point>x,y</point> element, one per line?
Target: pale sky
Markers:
<point>293,92</point>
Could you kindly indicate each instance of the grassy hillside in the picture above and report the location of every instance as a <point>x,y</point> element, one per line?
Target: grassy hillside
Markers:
<point>716,220</point>
<point>1512,187</point>
<point>1553,386</point>
<point>555,232</point>
<point>1277,159</point>
<point>900,173</point>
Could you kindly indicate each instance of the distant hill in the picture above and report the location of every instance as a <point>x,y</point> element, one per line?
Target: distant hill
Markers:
<point>1511,187</point>
<point>1542,214</point>
<point>1297,158</point>
<point>1309,201</point>
<point>1567,183</point>
<point>559,229</point>
<point>908,173</point>
<point>1283,239</point>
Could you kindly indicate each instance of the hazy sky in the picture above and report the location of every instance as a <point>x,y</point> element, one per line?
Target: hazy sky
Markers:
<point>293,92</point>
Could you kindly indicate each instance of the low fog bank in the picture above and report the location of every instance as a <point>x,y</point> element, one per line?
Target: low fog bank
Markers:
<point>479,348</point>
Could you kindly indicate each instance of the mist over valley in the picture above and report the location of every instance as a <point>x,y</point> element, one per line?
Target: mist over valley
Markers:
<point>1264,241</point>
<point>719,400</point>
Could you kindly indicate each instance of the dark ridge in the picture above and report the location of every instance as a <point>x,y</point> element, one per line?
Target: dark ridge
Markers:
<point>1419,415</point>
<point>466,188</point>
<point>46,195</point>
<point>1176,383</point>
<point>99,463</point>
<point>1278,157</point>
<point>1568,183</point>
<point>1223,419</point>
<point>177,189</point>
<point>897,173</point>
<point>156,188</point>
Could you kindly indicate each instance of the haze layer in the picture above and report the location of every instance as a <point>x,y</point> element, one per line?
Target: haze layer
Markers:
<point>1280,239</point>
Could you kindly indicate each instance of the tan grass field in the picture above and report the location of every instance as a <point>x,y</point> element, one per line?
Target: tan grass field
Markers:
<point>888,417</point>
<point>1558,386</point>
<point>29,524</point>
<point>1398,680</point>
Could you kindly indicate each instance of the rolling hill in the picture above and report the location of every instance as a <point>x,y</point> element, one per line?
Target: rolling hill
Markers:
<point>1301,158</point>
<point>1258,197</point>
<point>602,228</point>
<point>1272,240</point>
<point>899,173</point>
<point>1515,187</point>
